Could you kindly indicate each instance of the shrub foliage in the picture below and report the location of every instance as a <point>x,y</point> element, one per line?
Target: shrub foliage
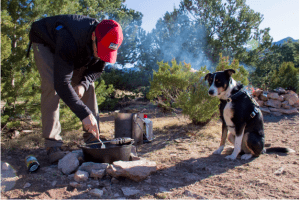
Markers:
<point>177,88</point>
<point>287,76</point>
<point>241,74</point>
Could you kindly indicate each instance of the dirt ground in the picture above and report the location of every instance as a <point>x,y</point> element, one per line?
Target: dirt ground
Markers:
<point>186,166</point>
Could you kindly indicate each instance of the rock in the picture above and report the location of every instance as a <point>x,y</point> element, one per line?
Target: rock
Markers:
<point>133,154</point>
<point>69,163</point>
<point>94,183</point>
<point>178,140</point>
<point>281,98</point>
<point>5,166</point>
<point>105,191</point>
<point>290,92</point>
<point>53,183</point>
<point>188,193</point>
<point>265,110</point>
<point>80,155</point>
<point>285,111</point>
<point>104,183</point>
<point>89,186</point>
<point>75,184</point>
<point>162,189</point>
<point>257,92</point>
<point>89,166</point>
<point>114,180</point>
<point>97,173</point>
<point>260,103</point>
<point>275,109</point>
<point>273,95</point>
<point>285,105</point>
<point>133,157</point>
<point>128,191</point>
<point>277,114</point>
<point>148,180</point>
<point>96,192</point>
<point>135,170</point>
<point>263,97</point>
<point>81,176</point>
<point>191,194</point>
<point>293,99</point>
<point>280,90</point>
<point>27,185</point>
<point>117,195</point>
<point>71,176</point>
<point>133,151</point>
<point>289,111</point>
<point>279,171</point>
<point>273,103</point>
<point>15,134</point>
<point>79,152</point>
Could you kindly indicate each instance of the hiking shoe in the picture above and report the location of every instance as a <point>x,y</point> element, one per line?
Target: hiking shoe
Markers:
<point>55,154</point>
<point>89,139</point>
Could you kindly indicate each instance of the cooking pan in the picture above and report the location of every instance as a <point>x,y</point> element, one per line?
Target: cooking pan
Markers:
<point>108,153</point>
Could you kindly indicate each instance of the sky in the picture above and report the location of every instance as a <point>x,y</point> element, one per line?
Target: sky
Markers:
<point>282,16</point>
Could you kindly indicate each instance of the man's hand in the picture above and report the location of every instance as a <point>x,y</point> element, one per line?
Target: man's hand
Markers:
<point>90,124</point>
<point>79,89</point>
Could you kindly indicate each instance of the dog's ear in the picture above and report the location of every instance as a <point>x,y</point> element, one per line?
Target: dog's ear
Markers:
<point>207,76</point>
<point>229,72</point>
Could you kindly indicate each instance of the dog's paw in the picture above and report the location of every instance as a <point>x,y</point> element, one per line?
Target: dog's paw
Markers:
<point>231,157</point>
<point>246,156</point>
<point>219,150</point>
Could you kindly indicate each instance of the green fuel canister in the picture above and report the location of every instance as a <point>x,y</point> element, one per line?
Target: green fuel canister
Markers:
<point>32,163</point>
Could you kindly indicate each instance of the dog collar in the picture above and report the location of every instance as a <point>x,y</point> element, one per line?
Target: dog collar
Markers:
<point>235,95</point>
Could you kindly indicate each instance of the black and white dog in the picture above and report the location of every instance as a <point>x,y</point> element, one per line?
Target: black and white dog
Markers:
<point>240,114</point>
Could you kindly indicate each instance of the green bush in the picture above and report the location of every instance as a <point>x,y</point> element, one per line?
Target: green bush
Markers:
<point>241,73</point>
<point>198,105</point>
<point>261,76</point>
<point>287,76</point>
<point>177,87</point>
<point>128,81</point>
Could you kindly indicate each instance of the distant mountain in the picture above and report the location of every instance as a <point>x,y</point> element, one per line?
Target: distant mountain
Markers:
<point>280,42</point>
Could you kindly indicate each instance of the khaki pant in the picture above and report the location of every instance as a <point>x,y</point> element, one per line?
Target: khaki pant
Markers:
<point>50,100</point>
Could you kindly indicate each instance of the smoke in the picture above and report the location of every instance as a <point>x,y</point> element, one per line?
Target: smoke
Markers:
<point>185,41</point>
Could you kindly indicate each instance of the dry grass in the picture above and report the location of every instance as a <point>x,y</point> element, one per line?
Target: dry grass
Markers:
<point>166,128</point>
<point>31,140</point>
<point>178,140</point>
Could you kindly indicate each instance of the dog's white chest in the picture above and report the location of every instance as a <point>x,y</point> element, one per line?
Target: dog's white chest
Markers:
<point>228,113</point>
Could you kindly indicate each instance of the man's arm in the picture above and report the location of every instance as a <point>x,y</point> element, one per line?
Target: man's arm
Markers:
<point>92,73</point>
<point>64,56</point>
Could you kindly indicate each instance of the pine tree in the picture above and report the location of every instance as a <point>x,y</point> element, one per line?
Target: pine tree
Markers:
<point>229,24</point>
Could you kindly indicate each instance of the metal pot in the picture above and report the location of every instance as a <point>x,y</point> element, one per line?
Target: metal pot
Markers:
<point>109,154</point>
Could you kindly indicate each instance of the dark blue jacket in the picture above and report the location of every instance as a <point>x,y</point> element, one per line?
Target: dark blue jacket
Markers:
<point>69,39</point>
